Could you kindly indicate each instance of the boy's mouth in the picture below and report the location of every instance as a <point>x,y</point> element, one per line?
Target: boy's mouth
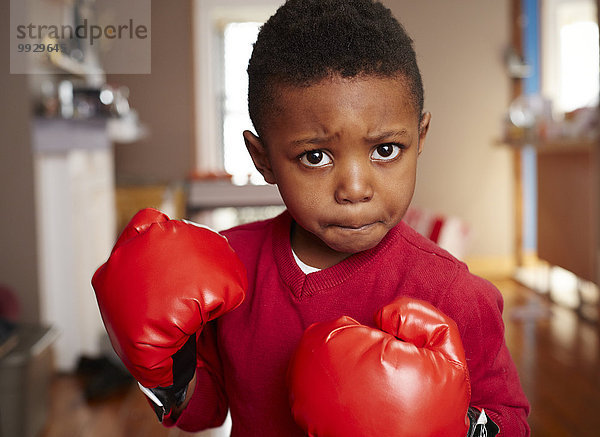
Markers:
<point>355,226</point>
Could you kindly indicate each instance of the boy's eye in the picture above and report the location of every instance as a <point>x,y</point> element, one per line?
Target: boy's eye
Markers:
<point>315,158</point>
<point>386,152</point>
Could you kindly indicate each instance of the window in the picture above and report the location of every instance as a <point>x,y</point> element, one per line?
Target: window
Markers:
<point>224,32</point>
<point>571,54</point>
<point>237,48</point>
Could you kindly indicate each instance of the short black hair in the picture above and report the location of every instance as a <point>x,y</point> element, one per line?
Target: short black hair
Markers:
<point>306,41</point>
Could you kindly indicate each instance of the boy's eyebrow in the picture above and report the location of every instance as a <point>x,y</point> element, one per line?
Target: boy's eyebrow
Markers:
<point>375,137</point>
<point>310,140</point>
<point>381,136</point>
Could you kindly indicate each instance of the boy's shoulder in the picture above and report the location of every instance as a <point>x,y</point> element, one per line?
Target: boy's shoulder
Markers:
<point>423,250</point>
<point>438,266</point>
<point>249,237</point>
<point>248,229</point>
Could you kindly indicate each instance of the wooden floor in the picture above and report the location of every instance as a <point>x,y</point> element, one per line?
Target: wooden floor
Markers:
<point>558,358</point>
<point>557,354</point>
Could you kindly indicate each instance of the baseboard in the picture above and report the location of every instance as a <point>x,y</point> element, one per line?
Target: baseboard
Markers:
<point>492,267</point>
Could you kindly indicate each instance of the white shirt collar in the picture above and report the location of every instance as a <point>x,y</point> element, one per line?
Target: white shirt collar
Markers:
<point>304,267</point>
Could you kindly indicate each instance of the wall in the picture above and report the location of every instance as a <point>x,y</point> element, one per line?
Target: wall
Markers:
<point>463,171</point>
<point>164,101</point>
<point>18,254</point>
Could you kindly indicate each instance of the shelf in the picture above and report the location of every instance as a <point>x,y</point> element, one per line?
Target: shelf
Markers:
<point>215,194</point>
<point>559,145</point>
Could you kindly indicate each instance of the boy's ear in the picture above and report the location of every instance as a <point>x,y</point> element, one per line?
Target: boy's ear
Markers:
<point>259,155</point>
<point>423,129</point>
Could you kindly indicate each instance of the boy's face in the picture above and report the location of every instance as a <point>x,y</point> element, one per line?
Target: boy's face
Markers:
<point>343,153</point>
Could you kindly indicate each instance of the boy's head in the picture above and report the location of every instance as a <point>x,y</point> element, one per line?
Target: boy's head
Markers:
<point>309,40</point>
<point>336,98</point>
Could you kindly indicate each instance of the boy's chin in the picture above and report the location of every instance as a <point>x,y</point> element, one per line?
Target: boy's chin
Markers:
<point>349,241</point>
<point>351,247</point>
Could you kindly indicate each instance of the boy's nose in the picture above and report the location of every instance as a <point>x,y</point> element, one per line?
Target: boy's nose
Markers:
<point>353,185</point>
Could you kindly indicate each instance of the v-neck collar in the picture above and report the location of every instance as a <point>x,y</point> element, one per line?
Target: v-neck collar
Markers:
<point>302,285</point>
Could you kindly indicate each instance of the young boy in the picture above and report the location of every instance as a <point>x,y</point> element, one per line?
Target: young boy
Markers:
<point>336,98</point>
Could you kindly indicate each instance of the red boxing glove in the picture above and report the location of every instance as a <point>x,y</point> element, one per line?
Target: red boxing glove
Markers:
<point>164,280</point>
<point>409,379</point>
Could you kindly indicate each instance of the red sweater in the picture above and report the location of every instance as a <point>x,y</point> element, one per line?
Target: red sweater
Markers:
<point>246,359</point>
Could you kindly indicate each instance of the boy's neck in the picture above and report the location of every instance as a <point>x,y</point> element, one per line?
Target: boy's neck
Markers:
<point>312,251</point>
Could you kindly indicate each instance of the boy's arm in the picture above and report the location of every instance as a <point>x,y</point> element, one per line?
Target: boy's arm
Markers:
<point>206,404</point>
<point>495,382</point>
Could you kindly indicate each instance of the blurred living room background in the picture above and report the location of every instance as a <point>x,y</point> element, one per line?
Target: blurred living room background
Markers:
<point>508,182</point>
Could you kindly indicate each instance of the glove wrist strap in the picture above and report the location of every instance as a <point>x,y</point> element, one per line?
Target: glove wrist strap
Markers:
<point>480,424</point>
<point>164,399</point>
